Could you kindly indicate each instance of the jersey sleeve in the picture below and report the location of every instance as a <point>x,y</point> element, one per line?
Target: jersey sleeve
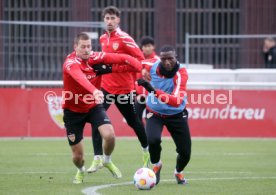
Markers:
<point>132,48</point>
<point>73,70</point>
<point>121,62</point>
<point>124,68</point>
<point>177,96</point>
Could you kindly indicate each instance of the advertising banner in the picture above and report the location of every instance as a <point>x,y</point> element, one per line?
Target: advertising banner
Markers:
<point>37,112</point>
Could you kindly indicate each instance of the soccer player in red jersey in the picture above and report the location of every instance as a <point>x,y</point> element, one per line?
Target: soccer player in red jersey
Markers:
<point>82,99</point>
<point>148,48</point>
<point>119,85</point>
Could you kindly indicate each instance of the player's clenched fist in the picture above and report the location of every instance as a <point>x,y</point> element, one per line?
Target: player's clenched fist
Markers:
<point>146,85</point>
<point>98,95</point>
<point>100,69</point>
<point>146,74</point>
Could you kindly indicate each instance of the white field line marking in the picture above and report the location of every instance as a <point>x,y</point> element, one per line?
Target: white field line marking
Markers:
<point>93,190</point>
<point>219,172</point>
<point>51,154</point>
<point>34,172</point>
<point>55,154</point>
<point>134,138</point>
<point>65,172</point>
<point>194,154</point>
<point>233,154</point>
<point>229,154</point>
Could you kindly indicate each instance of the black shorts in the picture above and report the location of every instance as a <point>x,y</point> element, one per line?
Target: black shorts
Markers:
<point>74,122</point>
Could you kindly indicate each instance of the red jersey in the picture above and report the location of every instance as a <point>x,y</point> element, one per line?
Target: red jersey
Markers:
<point>80,80</point>
<point>152,55</point>
<point>119,42</point>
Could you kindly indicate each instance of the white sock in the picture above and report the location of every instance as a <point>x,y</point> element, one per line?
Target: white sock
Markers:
<point>157,164</point>
<point>175,172</point>
<point>107,159</point>
<point>97,157</point>
<point>146,149</point>
<point>82,169</point>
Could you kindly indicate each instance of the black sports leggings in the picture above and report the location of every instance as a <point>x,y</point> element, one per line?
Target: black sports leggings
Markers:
<point>179,130</point>
<point>127,109</point>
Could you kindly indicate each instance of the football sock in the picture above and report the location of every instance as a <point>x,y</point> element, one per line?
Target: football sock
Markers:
<point>157,164</point>
<point>146,149</point>
<point>107,159</point>
<point>82,169</point>
<point>176,172</point>
<point>97,157</point>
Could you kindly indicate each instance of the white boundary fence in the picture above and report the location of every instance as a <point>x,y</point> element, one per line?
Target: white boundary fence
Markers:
<point>261,79</point>
<point>232,79</point>
<point>189,37</point>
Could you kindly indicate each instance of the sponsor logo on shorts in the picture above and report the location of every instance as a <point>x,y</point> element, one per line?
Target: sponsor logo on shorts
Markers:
<point>72,137</point>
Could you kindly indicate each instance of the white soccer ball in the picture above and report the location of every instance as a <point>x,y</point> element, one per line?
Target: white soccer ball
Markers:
<point>144,179</point>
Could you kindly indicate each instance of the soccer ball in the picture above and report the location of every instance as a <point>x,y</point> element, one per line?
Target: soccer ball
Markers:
<point>144,179</point>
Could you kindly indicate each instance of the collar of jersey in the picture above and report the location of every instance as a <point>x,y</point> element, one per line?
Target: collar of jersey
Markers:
<point>117,30</point>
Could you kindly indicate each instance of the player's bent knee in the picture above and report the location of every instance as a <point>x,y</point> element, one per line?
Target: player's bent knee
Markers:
<point>107,132</point>
<point>77,154</point>
<point>109,138</point>
<point>77,157</point>
<point>77,151</point>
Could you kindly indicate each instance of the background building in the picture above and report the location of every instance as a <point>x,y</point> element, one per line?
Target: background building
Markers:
<point>34,52</point>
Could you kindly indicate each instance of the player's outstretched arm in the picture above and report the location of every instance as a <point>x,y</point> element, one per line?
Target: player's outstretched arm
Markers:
<point>101,63</point>
<point>75,72</point>
<point>123,59</point>
<point>177,96</point>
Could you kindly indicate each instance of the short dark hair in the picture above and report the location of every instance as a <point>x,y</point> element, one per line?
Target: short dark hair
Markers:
<point>167,48</point>
<point>81,36</point>
<point>147,40</point>
<point>111,10</point>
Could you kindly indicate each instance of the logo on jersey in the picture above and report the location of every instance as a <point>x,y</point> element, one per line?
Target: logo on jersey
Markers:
<point>68,67</point>
<point>55,111</point>
<point>90,76</point>
<point>71,137</point>
<point>115,45</point>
